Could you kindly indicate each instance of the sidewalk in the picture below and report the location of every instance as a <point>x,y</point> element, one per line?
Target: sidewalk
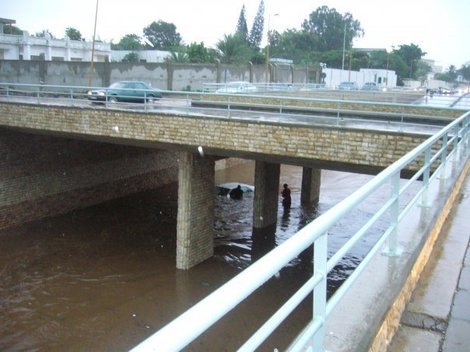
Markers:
<point>437,318</point>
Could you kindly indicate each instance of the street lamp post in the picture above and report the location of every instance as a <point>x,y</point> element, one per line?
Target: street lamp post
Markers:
<point>344,48</point>
<point>266,73</point>
<point>90,77</point>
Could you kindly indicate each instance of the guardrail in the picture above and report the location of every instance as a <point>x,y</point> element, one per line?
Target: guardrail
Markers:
<point>449,145</point>
<point>238,87</point>
<point>266,106</point>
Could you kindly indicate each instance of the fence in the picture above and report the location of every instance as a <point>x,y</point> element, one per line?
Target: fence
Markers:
<point>304,104</point>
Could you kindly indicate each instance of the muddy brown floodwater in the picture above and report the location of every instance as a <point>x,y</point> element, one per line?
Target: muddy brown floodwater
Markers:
<point>104,278</point>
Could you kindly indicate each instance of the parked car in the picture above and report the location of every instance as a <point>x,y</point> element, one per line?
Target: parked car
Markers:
<point>370,86</point>
<point>237,87</point>
<point>125,91</point>
<point>347,86</point>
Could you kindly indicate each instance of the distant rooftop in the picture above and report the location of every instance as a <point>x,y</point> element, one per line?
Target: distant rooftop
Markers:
<point>7,21</point>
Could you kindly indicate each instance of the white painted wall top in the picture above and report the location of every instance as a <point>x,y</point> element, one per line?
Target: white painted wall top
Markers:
<point>26,47</point>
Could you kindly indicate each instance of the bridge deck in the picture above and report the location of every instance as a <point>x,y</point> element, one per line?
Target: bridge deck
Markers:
<point>325,142</point>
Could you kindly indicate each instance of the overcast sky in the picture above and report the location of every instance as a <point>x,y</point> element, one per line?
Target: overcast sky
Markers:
<point>441,28</point>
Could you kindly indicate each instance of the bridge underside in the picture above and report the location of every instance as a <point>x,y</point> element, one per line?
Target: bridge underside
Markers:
<point>55,159</point>
<point>43,176</point>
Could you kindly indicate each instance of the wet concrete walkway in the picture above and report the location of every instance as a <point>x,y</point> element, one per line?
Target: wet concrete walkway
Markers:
<point>437,318</point>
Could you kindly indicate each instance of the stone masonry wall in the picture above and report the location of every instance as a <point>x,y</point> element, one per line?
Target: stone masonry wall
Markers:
<point>42,176</point>
<point>315,146</point>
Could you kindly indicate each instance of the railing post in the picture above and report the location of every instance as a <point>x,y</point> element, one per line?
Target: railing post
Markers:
<point>393,249</point>
<point>466,135</point>
<point>426,176</point>
<point>320,258</point>
<point>455,147</point>
<point>445,139</point>
<point>337,114</point>
<point>188,104</point>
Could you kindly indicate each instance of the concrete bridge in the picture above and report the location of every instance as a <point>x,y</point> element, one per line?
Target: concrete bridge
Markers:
<point>57,157</point>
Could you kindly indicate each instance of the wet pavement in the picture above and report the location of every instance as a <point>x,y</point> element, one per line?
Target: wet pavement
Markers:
<point>446,101</point>
<point>437,318</point>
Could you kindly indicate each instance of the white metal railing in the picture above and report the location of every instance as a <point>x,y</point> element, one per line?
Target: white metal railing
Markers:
<point>288,109</point>
<point>450,144</point>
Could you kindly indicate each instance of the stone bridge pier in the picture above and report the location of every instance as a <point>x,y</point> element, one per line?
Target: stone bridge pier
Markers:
<point>195,222</point>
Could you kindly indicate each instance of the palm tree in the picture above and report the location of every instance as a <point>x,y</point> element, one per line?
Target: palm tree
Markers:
<point>233,49</point>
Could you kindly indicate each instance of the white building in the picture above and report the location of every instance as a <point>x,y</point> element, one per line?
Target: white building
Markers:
<point>144,55</point>
<point>383,78</point>
<point>26,47</point>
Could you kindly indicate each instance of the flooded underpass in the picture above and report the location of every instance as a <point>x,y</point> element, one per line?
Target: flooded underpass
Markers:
<point>104,278</point>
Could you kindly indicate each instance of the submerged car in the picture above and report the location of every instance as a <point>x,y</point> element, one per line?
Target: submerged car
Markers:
<point>125,91</point>
<point>237,87</point>
<point>225,188</point>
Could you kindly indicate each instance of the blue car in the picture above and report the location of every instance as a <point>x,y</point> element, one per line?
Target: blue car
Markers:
<point>125,91</point>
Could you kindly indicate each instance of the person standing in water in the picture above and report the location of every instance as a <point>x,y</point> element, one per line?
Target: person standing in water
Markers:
<point>286,198</point>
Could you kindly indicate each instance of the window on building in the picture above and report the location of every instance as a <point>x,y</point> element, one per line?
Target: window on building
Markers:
<point>75,59</point>
<point>58,58</point>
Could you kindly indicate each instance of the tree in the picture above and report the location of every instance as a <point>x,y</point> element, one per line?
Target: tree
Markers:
<point>233,49</point>
<point>178,56</point>
<point>422,70</point>
<point>10,29</point>
<point>242,27</point>
<point>44,34</point>
<point>162,35</point>
<point>410,54</point>
<point>379,59</point>
<point>464,71</point>
<point>332,58</point>
<point>331,28</point>
<point>132,57</point>
<point>128,42</point>
<point>73,34</point>
<point>198,53</point>
<point>256,33</point>
<point>397,64</point>
<point>450,75</point>
<point>293,44</point>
